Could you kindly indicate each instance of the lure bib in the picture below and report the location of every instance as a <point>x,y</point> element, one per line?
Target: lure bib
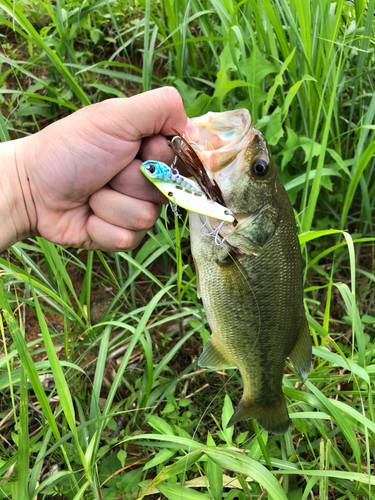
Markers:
<point>183,192</point>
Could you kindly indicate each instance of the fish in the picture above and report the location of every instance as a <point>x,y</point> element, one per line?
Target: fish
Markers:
<point>183,191</point>
<point>251,281</point>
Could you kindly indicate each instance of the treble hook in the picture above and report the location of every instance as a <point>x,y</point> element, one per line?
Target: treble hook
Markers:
<point>209,233</point>
<point>177,138</point>
<point>219,240</point>
<point>180,148</point>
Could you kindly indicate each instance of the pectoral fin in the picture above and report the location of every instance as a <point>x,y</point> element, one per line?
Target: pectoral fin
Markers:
<point>301,352</point>
<point>212,357</point>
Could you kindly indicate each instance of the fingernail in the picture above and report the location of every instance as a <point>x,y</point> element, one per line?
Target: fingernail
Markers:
<point>192,131</point>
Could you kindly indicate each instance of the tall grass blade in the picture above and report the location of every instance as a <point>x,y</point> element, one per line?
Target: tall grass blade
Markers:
<point>23,439</point>
<point>245,465</point>
<point>363,162</point>
<point>98,380</point>
<point>308,215</point>
<point>20,18</point>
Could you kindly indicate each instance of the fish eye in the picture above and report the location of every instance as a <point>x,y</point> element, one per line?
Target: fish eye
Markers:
<point>151,168</point>
<point>260,167</point>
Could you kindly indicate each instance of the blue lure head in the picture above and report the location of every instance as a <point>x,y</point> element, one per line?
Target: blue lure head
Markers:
<point>156,171</point>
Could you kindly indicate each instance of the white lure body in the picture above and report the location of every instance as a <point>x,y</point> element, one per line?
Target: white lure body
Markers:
<point>183,192</point>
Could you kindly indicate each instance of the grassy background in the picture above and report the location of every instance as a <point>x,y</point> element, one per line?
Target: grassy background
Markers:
<point>127,413</point>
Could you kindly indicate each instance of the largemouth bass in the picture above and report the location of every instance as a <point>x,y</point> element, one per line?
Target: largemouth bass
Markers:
<point>251,284</point>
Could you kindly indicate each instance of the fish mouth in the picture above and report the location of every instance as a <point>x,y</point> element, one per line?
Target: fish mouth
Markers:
<point>223,138</point>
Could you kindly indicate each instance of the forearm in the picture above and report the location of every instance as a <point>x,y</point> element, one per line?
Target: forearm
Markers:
<point>15,223</point>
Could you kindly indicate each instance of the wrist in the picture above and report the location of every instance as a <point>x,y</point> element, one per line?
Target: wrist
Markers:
<point>17,212</point>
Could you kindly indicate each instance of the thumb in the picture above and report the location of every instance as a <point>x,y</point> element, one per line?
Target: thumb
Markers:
<point>151,113</point>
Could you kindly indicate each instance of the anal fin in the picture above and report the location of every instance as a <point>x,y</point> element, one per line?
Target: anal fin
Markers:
<point>212,357</point>
<point>302,352</point>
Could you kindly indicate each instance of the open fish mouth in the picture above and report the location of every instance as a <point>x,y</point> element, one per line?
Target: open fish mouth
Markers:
<point>222,137</point>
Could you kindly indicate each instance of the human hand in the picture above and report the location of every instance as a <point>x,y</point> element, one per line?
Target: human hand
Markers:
<point>80,176</point>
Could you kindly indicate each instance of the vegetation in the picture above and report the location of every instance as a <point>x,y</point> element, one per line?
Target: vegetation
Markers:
<point>126,412</point>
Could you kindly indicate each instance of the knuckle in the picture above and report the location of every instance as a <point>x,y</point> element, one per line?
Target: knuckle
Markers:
<point>146,218</point>
<point>93,199</point>
<point>123,239</point>
<point>97,198</point>
<point>172,96</point>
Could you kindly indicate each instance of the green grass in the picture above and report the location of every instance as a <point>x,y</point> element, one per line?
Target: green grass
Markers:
<point>305,71</point>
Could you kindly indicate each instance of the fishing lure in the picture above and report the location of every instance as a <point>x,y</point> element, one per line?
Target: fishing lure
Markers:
<point>183,192</point>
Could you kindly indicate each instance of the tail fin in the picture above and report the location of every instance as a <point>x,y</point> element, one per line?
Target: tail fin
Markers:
<point>272,418</point>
